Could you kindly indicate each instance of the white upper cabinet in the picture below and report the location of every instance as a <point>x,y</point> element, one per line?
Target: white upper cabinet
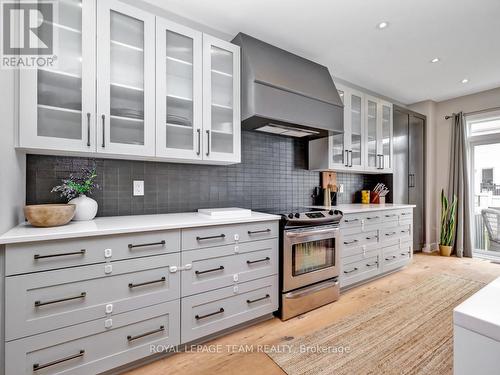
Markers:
<point>125,79</point>
<point>379,135</point>
<point>386,138</point>
<point>366,144</point>
<point>132,85</point>
<point>221,100</point>
<point>179,91</point>
<point>57,104</point>
<point>344,151</point>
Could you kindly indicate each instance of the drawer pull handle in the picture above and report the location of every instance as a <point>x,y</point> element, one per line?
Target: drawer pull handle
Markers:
<point>211,237</point>
<point>391,257</point>
<point>390,234</point>
<point>371,264</point>
<point>37,366</point>
<point>259,231</point>
<point>373,218</point>
<point>392,215</point>
<point>39,303</point>
<point>405,213</point>
<point>371,238</point>
<point>258,260</point>
<point>404,254</point>
<point>353,270</point>
<point>258,299</point>
<point>350,242</point>
<point>38,256</point>
<point>132,285</point>
<point>405,231</point>
<point>132,338</point>
<point>351,220</point>
<point>132,246</point>
<point>198,317</point>
<point>210,270</point>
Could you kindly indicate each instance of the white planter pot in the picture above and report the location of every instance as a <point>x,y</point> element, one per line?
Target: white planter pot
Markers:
<point>86,208</point>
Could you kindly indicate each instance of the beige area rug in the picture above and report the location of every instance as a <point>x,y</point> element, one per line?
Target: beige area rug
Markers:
<point>409,332</point>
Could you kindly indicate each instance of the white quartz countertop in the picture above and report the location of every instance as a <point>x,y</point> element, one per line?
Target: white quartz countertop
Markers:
<point>123,224</point>
<point>353,208</point>
<point>481,312</point>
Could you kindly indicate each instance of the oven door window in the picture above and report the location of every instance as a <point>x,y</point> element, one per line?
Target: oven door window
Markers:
<point>312,256</point>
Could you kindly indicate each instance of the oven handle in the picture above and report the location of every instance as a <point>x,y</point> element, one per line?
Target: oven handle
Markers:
<point>315,288</point>
<point>311,233</point>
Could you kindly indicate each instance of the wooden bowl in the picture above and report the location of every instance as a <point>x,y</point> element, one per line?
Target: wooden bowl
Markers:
<point>49,215</point>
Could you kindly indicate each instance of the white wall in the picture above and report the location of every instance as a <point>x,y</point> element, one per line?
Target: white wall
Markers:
<point>12,162</point>
<point>12,176</point>
<point>439,143</point>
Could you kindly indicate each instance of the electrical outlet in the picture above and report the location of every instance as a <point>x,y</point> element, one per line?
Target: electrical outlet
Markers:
<point>341,188</point>
<point>138,188</point>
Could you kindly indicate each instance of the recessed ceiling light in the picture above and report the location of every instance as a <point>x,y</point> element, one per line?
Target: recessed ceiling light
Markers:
<point>383,25</point>
<point>435,60</point>
<point>465,80</point>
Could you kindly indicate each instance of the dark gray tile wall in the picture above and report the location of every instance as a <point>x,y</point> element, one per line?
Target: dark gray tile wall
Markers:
<point>273,174</point>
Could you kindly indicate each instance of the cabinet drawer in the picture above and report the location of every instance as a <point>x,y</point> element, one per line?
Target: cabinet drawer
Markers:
<point>49,300</point>
<point>394,257</point>
<point>359,267</point>
<point>90,348</point>
<point>195,238</point>
<point>217,267</point>
<point>351,221</point>
<point>358,239</point>
<point>400,232</point>
<point>47,255</point>
<point>206,313</point>
<point>389,216</point>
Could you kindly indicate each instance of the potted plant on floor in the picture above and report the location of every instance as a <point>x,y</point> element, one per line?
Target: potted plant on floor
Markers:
<point>76,189</point>
<point>447,225</point>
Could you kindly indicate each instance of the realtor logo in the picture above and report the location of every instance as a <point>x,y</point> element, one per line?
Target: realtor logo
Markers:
<point>27,34</point>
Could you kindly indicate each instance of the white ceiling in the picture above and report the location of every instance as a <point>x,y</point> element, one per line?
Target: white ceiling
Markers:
<point>342,35</point>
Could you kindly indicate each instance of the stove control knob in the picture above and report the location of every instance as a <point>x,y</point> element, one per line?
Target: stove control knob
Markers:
<point>330,212</point>
<point>290,216</point>
<point>337,212</point>
<point>297,215</point>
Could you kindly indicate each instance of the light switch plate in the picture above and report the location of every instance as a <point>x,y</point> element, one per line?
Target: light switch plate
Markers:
<point>138,188</point>
<point>341,188</point>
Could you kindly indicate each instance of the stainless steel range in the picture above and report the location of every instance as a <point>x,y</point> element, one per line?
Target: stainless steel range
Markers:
<point>310,244</point>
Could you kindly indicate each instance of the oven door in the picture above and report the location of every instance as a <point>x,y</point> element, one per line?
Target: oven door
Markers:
<point>310,255</point>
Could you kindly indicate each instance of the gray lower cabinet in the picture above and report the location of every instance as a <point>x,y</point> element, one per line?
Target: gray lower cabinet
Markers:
<point>88,305</point>
<point>197,238</point>
<point>47,255</point>
<point>217,267</point>
<point>210,312</point>
<point>95,346</point>
<point>374,243</point>
<point>44,301</point>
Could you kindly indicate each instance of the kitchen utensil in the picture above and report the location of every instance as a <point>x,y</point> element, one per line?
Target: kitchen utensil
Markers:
<point>49,215</point>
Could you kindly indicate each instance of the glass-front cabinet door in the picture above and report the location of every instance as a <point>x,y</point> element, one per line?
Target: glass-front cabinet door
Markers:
<point>338,148</point>
<point>179,95</point>
<point>386,136</point>
<point>356,131</point>
<point>221,100</point>
<point>57,103</point>
<point>126,79</point>
<point>372,143</point>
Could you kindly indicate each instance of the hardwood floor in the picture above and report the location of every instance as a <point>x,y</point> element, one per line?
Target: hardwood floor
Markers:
<point>268,332</point>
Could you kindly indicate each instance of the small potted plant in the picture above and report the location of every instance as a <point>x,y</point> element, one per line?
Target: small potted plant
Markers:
<point>447,225</point>
<point>75,189</point>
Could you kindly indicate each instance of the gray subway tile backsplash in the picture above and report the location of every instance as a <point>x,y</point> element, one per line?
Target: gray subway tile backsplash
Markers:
<point>273,174</point>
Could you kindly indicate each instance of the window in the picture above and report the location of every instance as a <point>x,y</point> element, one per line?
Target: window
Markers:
<point>484,145</point>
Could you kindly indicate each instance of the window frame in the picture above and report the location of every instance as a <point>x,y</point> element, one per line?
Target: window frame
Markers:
<point>472,142</point>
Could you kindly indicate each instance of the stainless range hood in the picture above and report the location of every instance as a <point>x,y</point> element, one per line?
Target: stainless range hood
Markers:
<point>282,93</point>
